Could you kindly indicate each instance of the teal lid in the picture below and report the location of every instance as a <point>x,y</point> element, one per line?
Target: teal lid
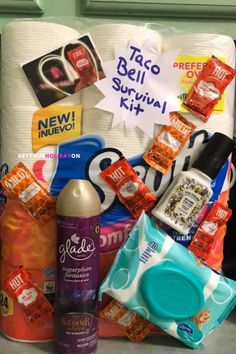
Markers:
<point>171,291</point>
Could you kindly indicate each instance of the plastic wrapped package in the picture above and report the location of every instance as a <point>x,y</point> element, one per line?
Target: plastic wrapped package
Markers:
<point>59,74</point>
<point>35,253</point>
<point>199,301</point>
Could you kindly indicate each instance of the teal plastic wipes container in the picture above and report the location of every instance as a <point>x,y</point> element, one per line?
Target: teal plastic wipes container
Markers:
<point>163,282</point>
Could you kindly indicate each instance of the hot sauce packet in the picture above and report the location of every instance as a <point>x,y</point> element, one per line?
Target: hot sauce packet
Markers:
<point>168,142</point>
<point>130,189</point>
<point>79,58</point>
<point>204,238</point>
<point>209,86</point>
<point>34,304</point>
<point>136,328</point>
<point>21,184</point>
<point>82,63</point>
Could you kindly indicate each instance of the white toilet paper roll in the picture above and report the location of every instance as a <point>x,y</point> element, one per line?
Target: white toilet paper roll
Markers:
<point>202,44</point>
<point>16,137</point>
<point>217,122</point>
<point>107,37</point>
<point>16,134</point>
<point>23,41</point>
<point>100,122</point>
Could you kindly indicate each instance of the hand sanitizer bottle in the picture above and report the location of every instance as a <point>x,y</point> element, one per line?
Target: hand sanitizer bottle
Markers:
<point>190,190</point>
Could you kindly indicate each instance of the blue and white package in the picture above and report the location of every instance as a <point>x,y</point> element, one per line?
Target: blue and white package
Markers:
<point>95,156</point>
<point>163,282</point>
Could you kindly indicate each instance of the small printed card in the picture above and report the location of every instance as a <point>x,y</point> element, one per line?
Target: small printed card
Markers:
<point>64,71</point>
<point>55,124</point>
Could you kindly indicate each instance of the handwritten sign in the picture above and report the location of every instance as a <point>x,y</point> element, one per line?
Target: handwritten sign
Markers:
<point>140,87</point>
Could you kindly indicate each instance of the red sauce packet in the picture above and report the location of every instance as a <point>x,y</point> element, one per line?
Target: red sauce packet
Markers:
<point>34,304</point>
<point>130,189</point>
<point>205,236</point>
<point>79,58</point>
<point>209,86</point>
<point>82,63</point>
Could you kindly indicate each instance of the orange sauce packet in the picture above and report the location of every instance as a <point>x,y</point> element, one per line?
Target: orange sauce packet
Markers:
<point>136,328</point>
<point>168,142</point>
<point>21,184</point>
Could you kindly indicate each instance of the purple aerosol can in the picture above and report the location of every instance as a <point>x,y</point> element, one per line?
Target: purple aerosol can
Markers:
<point>78,231</point>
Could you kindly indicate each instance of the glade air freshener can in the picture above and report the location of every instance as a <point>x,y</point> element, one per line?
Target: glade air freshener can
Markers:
<point>78,231</point>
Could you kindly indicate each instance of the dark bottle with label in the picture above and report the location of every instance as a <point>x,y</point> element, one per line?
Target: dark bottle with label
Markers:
<point>78,231</point>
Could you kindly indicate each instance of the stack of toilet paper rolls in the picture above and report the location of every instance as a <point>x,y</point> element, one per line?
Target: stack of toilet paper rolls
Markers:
<point>26,40</point>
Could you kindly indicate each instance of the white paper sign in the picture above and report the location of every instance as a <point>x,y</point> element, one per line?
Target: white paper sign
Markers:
<point>140,87</point>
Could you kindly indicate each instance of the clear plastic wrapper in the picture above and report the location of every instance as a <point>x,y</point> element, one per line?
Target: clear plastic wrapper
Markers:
<point>61,73</point>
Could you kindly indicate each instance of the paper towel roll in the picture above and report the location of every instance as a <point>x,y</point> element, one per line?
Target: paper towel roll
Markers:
<point>208,44</point>
<point>23,41</point>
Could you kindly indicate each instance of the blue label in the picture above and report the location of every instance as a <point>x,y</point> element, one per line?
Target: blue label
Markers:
<point>186,328</point>
<point>189,332</point>
<point>94,157</point>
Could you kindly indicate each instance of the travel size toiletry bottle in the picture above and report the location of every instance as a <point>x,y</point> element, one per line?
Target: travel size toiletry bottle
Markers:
<point>78,231</point>
<point>190,190</point>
